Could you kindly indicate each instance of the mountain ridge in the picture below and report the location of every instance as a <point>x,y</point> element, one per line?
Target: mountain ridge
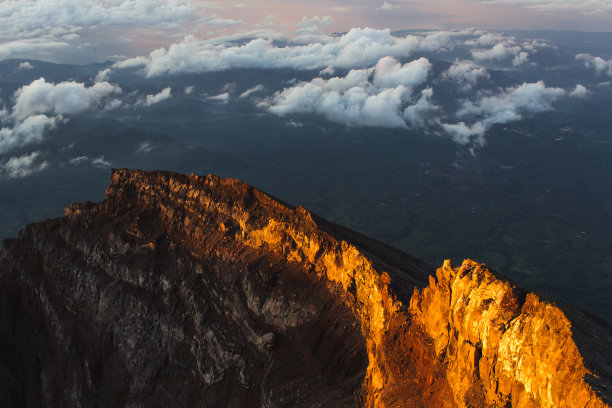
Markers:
<point>459,339</point>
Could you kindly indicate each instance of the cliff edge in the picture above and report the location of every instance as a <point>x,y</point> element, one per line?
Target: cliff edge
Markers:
<point>200,291</point>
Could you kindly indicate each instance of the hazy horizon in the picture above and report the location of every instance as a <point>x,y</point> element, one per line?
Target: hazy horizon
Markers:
<point>86,31</point>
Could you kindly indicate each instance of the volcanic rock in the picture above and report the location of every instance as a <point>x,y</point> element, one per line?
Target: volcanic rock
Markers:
<point>189,291</point>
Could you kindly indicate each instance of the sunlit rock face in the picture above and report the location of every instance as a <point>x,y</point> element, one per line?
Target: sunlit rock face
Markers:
<point>505,347</point>
<point>190,291</point>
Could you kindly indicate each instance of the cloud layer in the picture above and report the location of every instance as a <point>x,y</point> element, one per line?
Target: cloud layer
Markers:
<point>357,48</point>
<point>588,7</point>
<point>385,96</point>
<point>41,28</point>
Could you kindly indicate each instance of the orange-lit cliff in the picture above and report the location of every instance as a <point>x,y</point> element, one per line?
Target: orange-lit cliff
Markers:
<point>200,291</point>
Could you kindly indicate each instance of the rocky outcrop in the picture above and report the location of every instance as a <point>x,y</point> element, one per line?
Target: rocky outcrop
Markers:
<point>507,347</point>
<point>200,291</point>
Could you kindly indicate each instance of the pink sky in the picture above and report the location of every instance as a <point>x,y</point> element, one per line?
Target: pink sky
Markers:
<point>586,15</point>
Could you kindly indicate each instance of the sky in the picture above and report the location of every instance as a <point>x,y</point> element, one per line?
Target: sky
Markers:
<point>82,31</point>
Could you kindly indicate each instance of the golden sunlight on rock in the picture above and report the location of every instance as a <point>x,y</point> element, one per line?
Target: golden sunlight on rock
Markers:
<point>318,314</point>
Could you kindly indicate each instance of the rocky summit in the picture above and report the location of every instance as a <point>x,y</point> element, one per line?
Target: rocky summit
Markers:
<point>189,291</point>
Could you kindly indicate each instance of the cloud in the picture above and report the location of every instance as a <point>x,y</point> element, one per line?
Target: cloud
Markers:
<point>28,48</point>
<point>131,62</point>
<point>466,74</point>
<point>500,52</point>
<point>153,99</point>
<point>486,40</point>
<point>26,65</point>
<point>421,112</point>
<point>63,98</point>
<point>521,58</point>
<point>390,73</point>
<point>313,25</point>
<point>214,20</point>
<point>29,115</point>
<point>75,161</point>
<point>30,130</point>
<point>250,91</point>
<point>465,134</point>
<point>580,92</point>
<point>382,96</point>
<point>387,6</point>
<point>589,7</point>
<point>89,30</point>
<point>223,98</point>
<point>364,97</point>
<point>600,65</point>
<point>35,15</point>
<point>100,163</point>
<point>436,41</point>
<point>22,166</point>
<point>103,75</point>
<point>145,147</point>
<point>113,104</point>
<point>355,49</point>
<point>509,105</point>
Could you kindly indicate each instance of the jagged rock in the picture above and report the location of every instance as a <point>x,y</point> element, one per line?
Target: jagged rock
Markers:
<point>187,291</point>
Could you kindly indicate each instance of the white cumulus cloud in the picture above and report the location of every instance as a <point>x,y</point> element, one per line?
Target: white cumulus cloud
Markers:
<point>62,98</point>
<point>600,65</point>
<point>40,105</point>
<point>103,76</point>
<point>500,52</point>
<point>466,74</point>
<point>509,105</point>
<point>364,97</point>
<point>26,65</point>
<point>580,91</point>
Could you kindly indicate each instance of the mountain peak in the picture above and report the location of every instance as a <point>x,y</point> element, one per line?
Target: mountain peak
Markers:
<point>183,290</point>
